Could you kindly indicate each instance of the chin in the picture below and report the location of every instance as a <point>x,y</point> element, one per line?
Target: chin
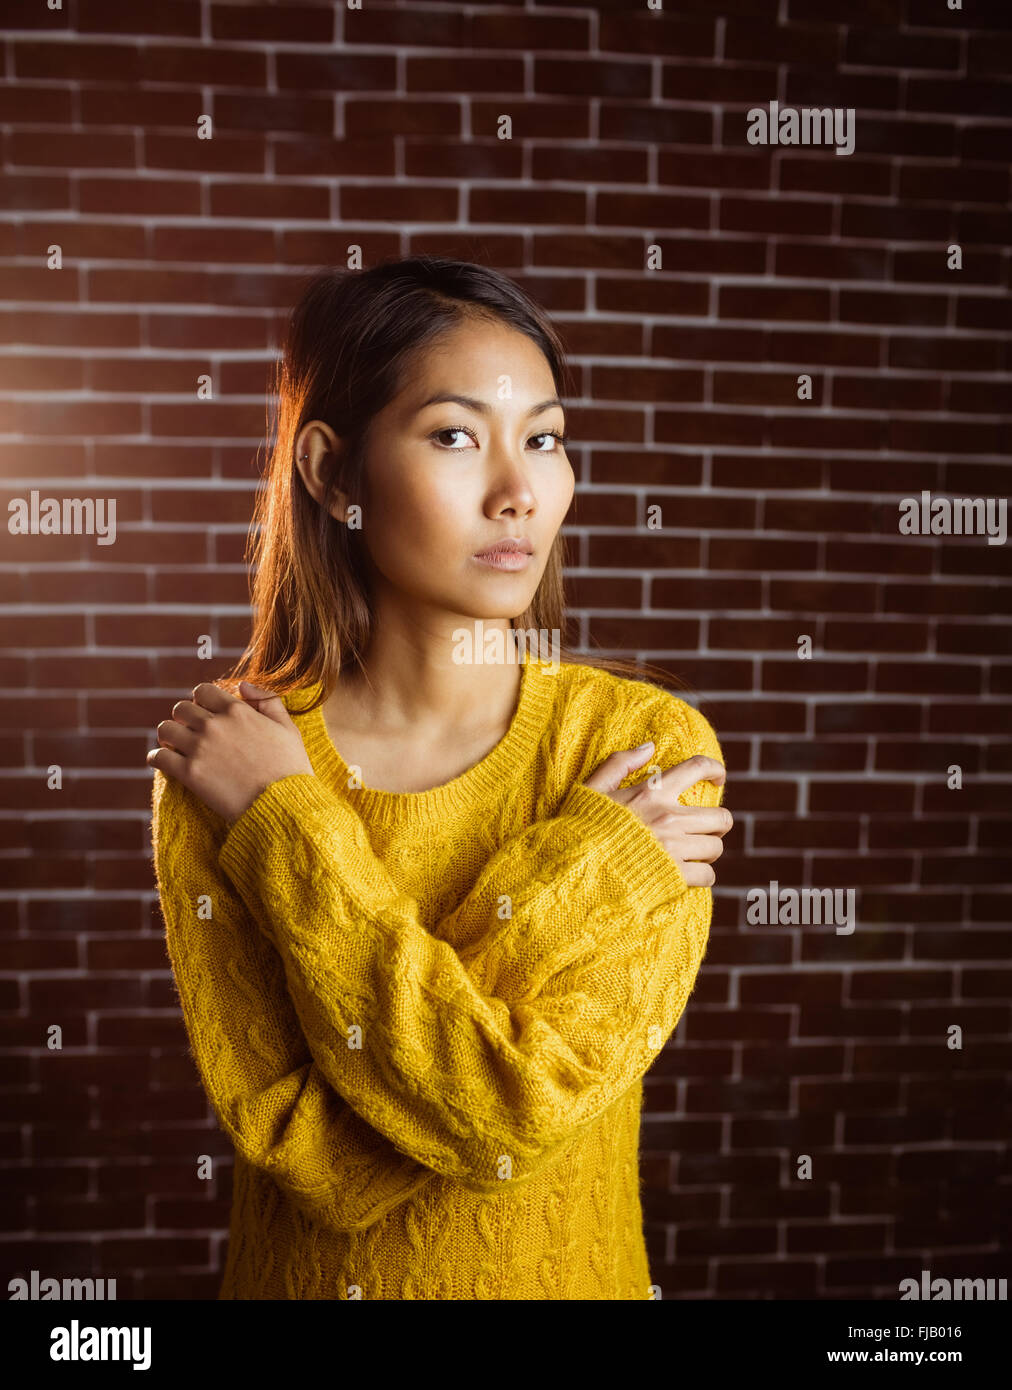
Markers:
<point>493,613</point>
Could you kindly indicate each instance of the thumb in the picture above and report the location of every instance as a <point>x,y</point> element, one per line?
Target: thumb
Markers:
<point>617,767</point>
<point>265,701</point>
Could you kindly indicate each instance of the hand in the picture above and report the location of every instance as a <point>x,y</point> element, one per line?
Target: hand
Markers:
<point>226,750</point>
<point>690,834</point>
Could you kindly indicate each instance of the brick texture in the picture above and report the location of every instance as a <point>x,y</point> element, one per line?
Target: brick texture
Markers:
<point>378,127</point>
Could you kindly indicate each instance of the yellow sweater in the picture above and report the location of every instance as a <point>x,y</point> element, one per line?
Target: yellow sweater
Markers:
<point>423,1018</point>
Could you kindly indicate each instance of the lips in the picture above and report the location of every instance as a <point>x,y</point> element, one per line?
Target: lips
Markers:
<point>510,545</point>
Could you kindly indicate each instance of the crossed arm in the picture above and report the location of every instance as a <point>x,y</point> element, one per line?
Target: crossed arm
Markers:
<point>353,1054</point>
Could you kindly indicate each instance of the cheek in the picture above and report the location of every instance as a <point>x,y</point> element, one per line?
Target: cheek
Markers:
<point>433,503</point>
<point>414,512</point>
<point>561,494</point>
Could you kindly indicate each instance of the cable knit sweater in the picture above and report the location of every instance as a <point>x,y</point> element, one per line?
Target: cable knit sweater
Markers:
<point>423,1018</point>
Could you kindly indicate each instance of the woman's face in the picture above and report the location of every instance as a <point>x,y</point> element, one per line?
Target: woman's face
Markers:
<point>446,479</point>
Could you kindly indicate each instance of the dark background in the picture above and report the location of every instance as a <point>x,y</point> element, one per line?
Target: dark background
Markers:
<point>378,129</point>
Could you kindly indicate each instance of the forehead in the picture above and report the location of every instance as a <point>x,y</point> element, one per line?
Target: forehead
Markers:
<point>471,358</point>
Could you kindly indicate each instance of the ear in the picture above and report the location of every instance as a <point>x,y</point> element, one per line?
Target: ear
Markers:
<point>318,453</point>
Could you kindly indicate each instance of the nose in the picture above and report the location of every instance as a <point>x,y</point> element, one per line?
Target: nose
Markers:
<point>510,492</point>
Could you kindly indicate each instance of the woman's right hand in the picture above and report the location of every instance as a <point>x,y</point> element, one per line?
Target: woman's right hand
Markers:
<point>692,835</point>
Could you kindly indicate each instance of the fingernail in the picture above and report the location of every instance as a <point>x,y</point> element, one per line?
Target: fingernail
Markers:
<point>649,744</point>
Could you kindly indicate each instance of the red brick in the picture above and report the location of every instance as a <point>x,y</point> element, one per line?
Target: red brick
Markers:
<point>780,518</point>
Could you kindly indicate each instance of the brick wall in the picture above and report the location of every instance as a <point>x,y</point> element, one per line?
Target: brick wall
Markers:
<point>378,128</point>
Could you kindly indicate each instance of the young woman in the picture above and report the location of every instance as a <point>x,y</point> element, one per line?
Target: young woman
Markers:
<point>434,901</point>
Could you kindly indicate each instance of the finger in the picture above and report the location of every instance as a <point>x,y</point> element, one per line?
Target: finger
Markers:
<point>702,820</point>
<point>617,766</point>
<point>166,760</point>
<point>698,875</point>
<point>254,692</point>
<point>265,702</point>
<point>698,768</point>
<point>193,716</point>
<point>702,849</point>
<point>177,736</point>
<point>213,698</point>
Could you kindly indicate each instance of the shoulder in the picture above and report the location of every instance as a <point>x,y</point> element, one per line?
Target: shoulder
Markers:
<point>624,704</point>
<point>600,712</point>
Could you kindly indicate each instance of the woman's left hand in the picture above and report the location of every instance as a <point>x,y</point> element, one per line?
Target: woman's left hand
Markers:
<point>226,750</point>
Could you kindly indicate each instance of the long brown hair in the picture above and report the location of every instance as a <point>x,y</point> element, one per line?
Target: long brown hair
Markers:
<point>348,346</point>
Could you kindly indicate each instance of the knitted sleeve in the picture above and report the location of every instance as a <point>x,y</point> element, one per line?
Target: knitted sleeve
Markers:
<point>267,1091</point>
<point>574,955</point>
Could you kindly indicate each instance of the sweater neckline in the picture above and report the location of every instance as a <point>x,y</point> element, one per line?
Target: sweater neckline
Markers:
<point>478,785</point>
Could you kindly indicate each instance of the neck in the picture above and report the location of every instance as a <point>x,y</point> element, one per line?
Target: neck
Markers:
<point>413,677</point>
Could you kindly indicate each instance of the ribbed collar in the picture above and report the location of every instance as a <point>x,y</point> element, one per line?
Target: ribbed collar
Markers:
<point>476,788</point>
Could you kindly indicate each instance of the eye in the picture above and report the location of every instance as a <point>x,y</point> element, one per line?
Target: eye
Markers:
<point>552,434</point>
<point>454,429</point>
<point>563,439</point>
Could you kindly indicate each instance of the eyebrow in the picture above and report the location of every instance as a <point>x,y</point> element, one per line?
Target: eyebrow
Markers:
<point>480,407</point>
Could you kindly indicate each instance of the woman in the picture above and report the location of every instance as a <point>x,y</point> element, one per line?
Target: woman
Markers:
<point>434,902</point>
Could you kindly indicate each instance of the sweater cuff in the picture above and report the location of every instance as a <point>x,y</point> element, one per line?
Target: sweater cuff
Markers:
<point>633,851</point>
<point>283,812</point>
